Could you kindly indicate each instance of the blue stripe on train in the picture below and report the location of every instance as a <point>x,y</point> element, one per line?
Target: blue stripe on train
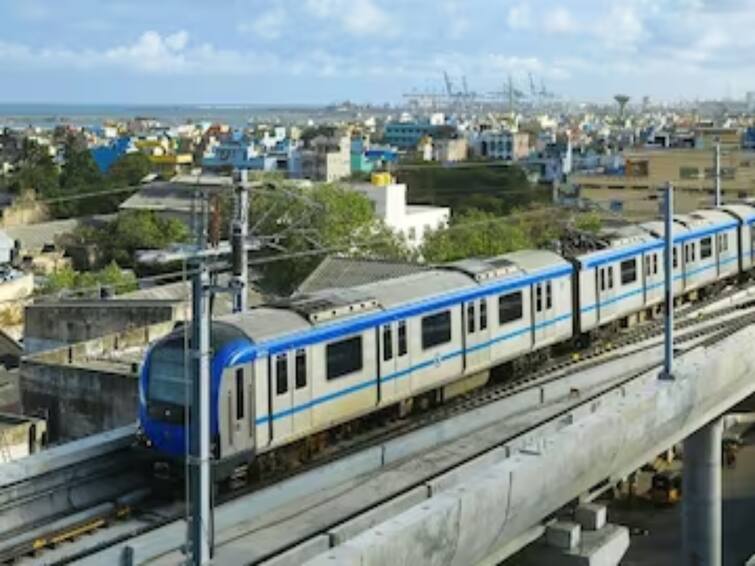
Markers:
<point>404,372</point>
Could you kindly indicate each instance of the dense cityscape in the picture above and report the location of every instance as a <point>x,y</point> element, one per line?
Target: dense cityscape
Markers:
<point>501,316</point>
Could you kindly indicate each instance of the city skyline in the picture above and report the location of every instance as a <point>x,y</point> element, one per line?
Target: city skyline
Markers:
<point>321,51</point>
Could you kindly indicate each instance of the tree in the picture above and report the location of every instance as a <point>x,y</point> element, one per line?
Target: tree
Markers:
<point>36,171</point>
<point>129,170</point>
<point>129,232</point>
<point>111,276</point>
<point>323,216</point>
<point>474,233</point>
<point>588,222</point>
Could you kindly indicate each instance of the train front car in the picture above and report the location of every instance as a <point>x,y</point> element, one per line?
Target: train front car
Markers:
<point>165,390</point>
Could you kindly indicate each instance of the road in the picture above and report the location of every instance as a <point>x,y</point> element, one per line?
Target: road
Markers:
<point>656,533</point>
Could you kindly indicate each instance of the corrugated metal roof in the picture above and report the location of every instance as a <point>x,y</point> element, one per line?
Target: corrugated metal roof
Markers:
<point>340,272</point>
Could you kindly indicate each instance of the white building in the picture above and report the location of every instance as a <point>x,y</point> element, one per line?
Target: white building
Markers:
<point>413,221</point>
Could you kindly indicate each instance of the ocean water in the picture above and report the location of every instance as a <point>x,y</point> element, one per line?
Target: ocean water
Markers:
<point>50,115</point>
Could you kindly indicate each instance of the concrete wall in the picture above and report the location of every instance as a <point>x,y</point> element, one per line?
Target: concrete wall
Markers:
<point>20,436</point>
<point>51,326</point>
<point>79,394</point>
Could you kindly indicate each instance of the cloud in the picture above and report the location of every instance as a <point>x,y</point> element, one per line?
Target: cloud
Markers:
<point>519,17</point>
<point>559,20</point>
<point>267,26</point>
<point>357,17</point>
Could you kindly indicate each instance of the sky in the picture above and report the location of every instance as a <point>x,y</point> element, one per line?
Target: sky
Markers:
<point>322,51</point>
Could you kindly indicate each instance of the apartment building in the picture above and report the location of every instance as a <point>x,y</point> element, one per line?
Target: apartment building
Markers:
<point>634,191</point>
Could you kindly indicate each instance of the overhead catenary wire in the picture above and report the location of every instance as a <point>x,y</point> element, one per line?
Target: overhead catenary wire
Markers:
<point>346,247</point>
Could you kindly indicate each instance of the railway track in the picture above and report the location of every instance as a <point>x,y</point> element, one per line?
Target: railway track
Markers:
<point>712,327</point>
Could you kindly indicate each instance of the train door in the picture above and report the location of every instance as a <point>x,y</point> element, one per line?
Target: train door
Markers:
<point>387,355</point>
<point>543,311</point>
<point>393,356</point>
<point>688,266</point>
<point>606,286</point>
<point>235,410</point>
<point>476,333</point>
<point>281,395</point>
<point>302,396</point>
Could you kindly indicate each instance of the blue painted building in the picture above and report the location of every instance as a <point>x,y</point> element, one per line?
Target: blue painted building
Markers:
<point>105,155</point>
<point>406,135</point>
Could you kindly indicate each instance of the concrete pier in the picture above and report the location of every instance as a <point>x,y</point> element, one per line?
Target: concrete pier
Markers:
<point>701,496</point>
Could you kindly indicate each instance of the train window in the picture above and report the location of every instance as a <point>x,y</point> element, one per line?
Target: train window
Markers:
<point>239,394</point>
<point>655,264</point>
<point>387,343</point>
<point>300,369</point>
<point>706,247</point>
<point>610,277</point>
<point>602,279</point>
<point>343,357</point>
<point>548,295</point>
<point>628,271</point>
<point>436,329</point>
<point>676,258</point>
<point>281,374</point>
<point>538,297</point>
<point>402,338</point>
<point>648,265</point>
<point>470,318</point>
<point>509,307</point>
<point>483,314</point>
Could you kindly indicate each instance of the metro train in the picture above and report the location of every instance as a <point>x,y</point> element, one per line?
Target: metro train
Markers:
<point>284,373</point>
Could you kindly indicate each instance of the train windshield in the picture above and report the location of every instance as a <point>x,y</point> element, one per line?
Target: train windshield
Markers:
<point>170,366</point>
<point>169,372</point>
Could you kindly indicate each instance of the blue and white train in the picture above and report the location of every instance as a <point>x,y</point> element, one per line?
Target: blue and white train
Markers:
<point>284,373</point>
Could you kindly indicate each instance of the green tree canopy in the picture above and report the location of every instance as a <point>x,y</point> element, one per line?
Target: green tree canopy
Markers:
<point>474,233</point>
<point>323,216</point>
<point>36,171</point>
<point>129,232</point>
<point>111,276</point>
<point>129,170</point>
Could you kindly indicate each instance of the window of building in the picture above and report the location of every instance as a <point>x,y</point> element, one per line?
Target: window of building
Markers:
<point>686,172</point>
<point>387,343</point>
<point>706,247</point>
<point>281,374</point>
<point>509,307</point>
<point>628,271</point>
<point>483,314</point>
<point>548,295</point>
<point>470,318</point>
<point>436,329</point>
<point>239,394</point>
<point>402,347</point>
<point>343,357</point>
<point>301,368</point>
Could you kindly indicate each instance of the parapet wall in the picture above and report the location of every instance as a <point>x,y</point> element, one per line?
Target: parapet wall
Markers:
<point>87,387</point>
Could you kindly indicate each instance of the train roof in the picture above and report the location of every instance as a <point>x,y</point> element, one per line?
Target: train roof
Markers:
<point>535,260</point>
<point>743,211</point>
<point>713,216</point>
<point>418,286</point>
<point>263,323</point>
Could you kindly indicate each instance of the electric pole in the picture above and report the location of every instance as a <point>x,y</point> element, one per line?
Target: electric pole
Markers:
<point>239,231</point>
